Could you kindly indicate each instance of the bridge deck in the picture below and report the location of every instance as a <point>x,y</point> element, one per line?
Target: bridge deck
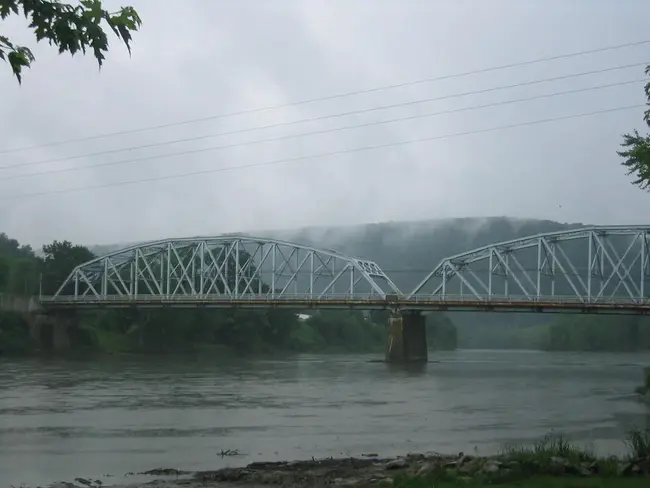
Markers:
<point>492,304</point>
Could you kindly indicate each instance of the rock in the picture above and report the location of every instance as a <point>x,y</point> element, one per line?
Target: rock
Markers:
<point>560,465</point>
<point>399,463</point>
<point>628,469</point>
<point>272,478</point>
<point>164,472</point>
<point>466,458</point>
<point>266,465</point>
<point>347,481</point>
<point>594,467</point>
<point>415,456</point>
<point>62,484</point>
<point>427,469</point>
<point>512,464</point>
<point>83,481</point>
<point>585,469</point>
<point>470,467</point>
<point>559,461</point>
<point>491,467</point>
<point>644,465</point>
<point>384,482</point>
<point>225,474</point>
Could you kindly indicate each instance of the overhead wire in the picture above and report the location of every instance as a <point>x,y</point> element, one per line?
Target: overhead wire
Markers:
<point>314,156</point>
<point>332,97</point>
<point>318,132</point>
<point>324,117</point>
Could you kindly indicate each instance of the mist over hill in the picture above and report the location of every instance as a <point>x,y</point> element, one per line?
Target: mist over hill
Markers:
<point>407,251</point>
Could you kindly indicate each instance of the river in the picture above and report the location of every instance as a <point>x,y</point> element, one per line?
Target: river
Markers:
<point>61,419</point>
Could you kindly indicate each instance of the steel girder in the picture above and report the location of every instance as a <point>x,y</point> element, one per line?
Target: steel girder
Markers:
<point>598,264</point>
<point>229,267</point>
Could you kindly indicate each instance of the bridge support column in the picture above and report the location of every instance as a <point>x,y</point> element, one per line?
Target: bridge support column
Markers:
<point>407,338</point>
<point>50,332</point>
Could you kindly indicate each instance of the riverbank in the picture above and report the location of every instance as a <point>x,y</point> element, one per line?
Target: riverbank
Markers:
<point>550,463</point>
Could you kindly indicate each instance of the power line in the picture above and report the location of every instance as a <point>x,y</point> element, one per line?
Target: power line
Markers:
<point>319,118</point>
<point>317,156</point>
<point>305,134</point>
<point>333,97</point>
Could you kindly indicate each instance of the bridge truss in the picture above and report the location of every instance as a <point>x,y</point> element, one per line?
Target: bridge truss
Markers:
<point>591,269</point>
<point>606,267</point>
<point>223,271</point>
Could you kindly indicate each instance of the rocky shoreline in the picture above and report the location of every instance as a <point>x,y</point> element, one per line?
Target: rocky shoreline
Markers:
<point>383,472</point>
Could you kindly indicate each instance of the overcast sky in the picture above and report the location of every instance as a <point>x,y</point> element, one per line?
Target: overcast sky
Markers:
<point>204,58</point>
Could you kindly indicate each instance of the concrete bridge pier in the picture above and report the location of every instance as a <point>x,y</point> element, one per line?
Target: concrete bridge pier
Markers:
<point>407,338</point>
<point>51,331</point>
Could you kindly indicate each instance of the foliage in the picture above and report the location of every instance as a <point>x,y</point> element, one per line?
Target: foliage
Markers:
<point>639,444</point>
<point>19,267</point>
<point>71,28</point>
<point>441,332</point>
<point>530,482</point>
<point>598,333</point>
<point>14,335</point>
<point>553,462</point>
<point>636,149</point>
<point>176,330</point>
<point>60,259</point>
<point>350,331</point>
<point>542,452</point>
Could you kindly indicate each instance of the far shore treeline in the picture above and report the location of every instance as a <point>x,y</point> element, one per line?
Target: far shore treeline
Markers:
<point>405,249</point>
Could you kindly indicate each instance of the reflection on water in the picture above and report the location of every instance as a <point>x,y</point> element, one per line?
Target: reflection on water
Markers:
<point>62,419</point>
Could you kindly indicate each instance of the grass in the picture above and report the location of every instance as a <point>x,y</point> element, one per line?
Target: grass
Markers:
<point>550,446</point>
<point>534,482</point>
<point>538,459</point>
<point>552,462</point>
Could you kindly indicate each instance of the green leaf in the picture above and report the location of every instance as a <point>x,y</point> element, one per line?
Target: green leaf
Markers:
<point>71,28</point>
<point>19,59</point>
<point>8,7</point>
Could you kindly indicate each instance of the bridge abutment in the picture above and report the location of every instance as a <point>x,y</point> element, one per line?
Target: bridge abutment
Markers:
<point>407,338</point>
<point>50,332</point>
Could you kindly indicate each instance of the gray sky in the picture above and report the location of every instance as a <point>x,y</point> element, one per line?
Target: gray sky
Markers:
<point>208,57</point>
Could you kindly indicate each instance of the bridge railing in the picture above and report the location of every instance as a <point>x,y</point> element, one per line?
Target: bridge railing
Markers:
<point>356,297</point>
<point>522,299</point>
<point>330,297</point>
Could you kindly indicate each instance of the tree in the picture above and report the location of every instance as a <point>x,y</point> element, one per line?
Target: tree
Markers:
<point>70,28</point>
<point>60,259</point>
<point>636,152</point>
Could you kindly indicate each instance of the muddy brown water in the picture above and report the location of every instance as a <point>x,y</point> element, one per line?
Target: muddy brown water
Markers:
<point>62,419</point>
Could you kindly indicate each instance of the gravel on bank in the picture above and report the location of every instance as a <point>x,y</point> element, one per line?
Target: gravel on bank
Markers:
<point>380,472</point>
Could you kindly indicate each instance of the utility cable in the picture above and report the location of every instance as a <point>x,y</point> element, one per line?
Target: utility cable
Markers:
<point>333,97</point>
<point>305,134</point>
<point>314,119</point>
<point>316,156</point>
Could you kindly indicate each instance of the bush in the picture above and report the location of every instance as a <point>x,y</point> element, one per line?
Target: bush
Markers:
<point>639,444</point>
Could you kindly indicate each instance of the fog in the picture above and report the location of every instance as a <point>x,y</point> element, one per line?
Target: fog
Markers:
<point>201,60</point>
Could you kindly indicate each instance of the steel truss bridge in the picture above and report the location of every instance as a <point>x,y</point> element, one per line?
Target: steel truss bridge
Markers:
<point>594,269</point>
